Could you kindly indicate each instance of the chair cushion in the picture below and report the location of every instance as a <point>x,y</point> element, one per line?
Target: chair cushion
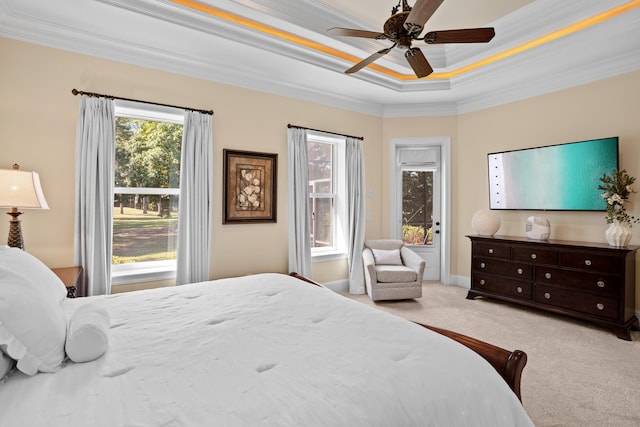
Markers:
<point>395,273</point>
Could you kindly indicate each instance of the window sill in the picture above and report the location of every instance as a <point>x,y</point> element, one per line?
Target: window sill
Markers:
<point>328,256</point>
<point>146,272</point>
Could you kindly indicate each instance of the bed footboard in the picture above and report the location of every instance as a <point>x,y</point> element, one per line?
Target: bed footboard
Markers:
<point>509,364</point>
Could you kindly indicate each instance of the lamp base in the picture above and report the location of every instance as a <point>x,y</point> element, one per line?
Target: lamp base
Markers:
<point>15,231</point>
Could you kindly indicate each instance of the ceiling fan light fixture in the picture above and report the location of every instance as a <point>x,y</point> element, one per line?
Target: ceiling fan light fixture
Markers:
<point>404,27</point>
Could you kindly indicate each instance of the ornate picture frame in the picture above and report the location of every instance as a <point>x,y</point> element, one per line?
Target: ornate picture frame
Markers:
<point>250,187</point>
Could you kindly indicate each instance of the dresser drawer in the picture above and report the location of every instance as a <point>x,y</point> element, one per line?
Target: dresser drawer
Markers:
<point>493,251</point>
<point>504,268</point>
<point>592,261</point>
<point>535,255</point>
<point>587,281</point>
<point>593,282</point>
<point>596,305</point>
<point>501,285</point>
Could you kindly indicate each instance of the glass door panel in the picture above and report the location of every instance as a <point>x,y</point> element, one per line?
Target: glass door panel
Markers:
<point>417,207</point>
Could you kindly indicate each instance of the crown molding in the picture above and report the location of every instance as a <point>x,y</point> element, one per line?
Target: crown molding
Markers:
<point>420,110</point>
<point>605,50</point>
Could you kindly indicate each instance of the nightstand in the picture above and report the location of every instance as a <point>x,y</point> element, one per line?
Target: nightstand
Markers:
<point>71,277</point>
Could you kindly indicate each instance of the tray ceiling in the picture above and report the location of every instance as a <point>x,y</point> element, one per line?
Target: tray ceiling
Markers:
<point>281,46</point>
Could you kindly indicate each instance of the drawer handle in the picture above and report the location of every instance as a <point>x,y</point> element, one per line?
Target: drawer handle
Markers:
<point>547,295</point>
<point>587,262</point>
<point>520,271</point>
<point>534,256</point>
<point>490,250</point>
<point>519,289</point>
<point>482,282</point>
<point>482,265</point>
<point>547,275</point>
<point>600,283</point>
<point>600,306</point>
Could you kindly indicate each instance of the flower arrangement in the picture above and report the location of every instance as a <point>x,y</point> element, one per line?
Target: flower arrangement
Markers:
<point>617,189</point>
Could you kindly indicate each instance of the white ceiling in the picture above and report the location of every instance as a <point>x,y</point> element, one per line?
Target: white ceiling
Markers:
<point>167,35</point>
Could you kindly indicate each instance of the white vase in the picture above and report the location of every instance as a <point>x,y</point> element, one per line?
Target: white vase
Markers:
<point>485,222</point>
<point>538,228</point>
<point>618,234</point>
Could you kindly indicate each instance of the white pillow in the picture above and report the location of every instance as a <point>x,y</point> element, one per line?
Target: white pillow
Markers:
<point>32,327</point>
<point>21,262</point>
<point>6,363</point>
<point>87,333</point>
<point>387,256</point>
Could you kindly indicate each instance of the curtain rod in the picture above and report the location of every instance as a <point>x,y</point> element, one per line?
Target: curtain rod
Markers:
<point>80,92</point>
<point>324,131</point>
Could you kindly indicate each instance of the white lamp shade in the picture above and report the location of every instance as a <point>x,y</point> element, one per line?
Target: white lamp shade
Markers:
<point>21,189</point>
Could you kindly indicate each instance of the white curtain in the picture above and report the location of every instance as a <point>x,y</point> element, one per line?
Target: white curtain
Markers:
<point>299,226</point>
<point>95,157</point>
<point>196,199</point>
<point>355,214</point>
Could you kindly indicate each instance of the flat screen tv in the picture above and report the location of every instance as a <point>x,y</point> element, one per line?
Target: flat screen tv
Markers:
<point>555,177</point>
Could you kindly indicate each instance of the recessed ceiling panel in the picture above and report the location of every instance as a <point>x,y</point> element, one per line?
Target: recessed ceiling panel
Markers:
<point>451,14</point>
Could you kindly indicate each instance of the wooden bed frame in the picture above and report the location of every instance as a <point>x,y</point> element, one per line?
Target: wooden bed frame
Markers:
<point>509,364</point>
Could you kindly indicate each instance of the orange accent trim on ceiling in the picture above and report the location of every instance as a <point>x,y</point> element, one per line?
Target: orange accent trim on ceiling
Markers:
<point>249,23</point>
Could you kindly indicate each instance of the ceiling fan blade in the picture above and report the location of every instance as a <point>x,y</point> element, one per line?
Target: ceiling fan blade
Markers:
<point>355,33</point>
<point>369,60</point>
<point>418,62</point>
<point>420,14</point>
<point>469,35</point>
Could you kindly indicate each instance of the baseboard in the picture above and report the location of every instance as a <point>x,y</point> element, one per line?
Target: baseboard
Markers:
<point>462,281</point>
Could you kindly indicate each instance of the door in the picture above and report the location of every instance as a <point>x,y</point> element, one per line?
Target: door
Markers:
<point>417,203</point>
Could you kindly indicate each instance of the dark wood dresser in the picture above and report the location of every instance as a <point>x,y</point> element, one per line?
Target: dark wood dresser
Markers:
<point>589,281</point>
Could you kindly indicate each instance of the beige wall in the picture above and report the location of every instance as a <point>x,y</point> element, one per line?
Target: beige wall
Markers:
<point>601,109</point>
<point>38,119</point>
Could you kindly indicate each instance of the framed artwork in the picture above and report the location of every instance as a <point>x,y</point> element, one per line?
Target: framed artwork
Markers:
<point>249,187</point>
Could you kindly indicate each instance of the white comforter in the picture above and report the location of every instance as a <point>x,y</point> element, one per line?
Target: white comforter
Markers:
<point>263,350</point>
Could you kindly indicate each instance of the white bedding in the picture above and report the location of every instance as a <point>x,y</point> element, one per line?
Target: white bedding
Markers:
<point>263,350</point>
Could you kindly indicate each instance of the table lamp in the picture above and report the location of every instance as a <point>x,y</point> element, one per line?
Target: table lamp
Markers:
<point>19,189</point>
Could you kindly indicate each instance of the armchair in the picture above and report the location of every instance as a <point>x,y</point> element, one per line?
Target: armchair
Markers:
<point>391,270</point>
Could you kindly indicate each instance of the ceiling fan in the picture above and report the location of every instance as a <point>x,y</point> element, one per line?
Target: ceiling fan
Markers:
<point>405,26</point>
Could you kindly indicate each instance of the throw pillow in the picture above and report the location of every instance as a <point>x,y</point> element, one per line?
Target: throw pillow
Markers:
<point>387,257</point>
<point>87,333</point>
<point>21,262</point>
<point>32,326</point>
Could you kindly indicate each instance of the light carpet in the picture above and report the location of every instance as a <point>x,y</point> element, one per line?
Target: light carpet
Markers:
<point>577,374</point>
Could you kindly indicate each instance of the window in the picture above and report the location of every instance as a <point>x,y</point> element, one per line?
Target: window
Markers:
<point>146,192</point>
<point>417,206</point>
<point>326,156</point>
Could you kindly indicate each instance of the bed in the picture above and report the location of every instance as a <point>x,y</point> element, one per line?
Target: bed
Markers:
<point>263,350</point>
